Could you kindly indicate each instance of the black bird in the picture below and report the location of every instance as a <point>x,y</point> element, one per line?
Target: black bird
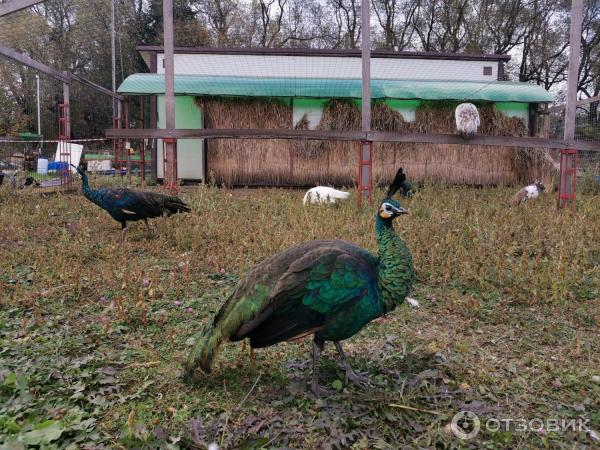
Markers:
<point>125,205</point>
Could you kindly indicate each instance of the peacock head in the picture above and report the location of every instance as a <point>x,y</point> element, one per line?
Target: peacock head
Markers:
<point>81,173</point>
<point>390,209</point>
<point>79,170</point>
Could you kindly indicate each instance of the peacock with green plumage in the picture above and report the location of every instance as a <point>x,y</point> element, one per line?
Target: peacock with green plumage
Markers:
<point>329,289</point>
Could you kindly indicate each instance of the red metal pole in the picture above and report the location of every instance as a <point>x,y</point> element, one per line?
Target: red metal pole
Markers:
<point>64,135</point>
<point>568,178</point>
<point>170,183</point>
<point>365,171</point>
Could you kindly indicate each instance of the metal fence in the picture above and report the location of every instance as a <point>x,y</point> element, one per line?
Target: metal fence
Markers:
<point>587,128</point>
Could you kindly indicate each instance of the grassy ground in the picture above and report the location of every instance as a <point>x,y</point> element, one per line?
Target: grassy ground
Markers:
<point>93,334</point>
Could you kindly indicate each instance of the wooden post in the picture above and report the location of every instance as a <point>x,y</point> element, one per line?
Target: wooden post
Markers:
<point>67,102</point>
<point>153,123</point>
<point>365,177</point>
<point>128,143</point>
<point>113,55</point>
<point>142,142</point>
<point>170,172</point>
<point>566,190</point>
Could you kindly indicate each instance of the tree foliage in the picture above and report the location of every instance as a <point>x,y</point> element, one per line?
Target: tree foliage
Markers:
<point>75,35</point>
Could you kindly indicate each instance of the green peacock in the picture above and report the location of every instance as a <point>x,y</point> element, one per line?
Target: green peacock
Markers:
<point>329,289</point>
<point>125,205</point>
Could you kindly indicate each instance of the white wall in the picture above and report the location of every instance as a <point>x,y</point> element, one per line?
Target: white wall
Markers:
<point>327,67</point>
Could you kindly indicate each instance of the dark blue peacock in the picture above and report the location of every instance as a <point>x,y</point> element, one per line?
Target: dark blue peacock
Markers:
<point>329,289</point>
<point>125,205</point>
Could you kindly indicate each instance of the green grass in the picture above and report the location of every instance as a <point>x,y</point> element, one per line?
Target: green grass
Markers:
<point>93,335</point>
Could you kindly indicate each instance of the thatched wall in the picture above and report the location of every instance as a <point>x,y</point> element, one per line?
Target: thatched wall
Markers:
<point>306,163</point>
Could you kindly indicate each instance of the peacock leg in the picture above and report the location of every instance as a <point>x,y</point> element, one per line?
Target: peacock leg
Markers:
<point>316,354</point>
<point>123,231</point>
<point>149,228</point>
<point>253,366</point>
<point>351,375</point>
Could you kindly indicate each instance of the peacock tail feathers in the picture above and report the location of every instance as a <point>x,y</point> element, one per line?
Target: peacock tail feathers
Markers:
<point>234,313</point>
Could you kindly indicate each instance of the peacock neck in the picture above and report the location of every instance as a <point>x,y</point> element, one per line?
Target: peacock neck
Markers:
<point>395,272</point>
<point>88,192</point>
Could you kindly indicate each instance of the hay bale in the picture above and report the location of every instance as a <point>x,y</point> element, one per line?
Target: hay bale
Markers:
<point>309,163</point>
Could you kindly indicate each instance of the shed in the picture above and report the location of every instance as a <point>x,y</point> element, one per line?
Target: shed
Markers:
<point>305,88</point>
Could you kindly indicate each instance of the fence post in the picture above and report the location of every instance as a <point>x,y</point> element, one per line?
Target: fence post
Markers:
<point>568,157</point>
<point>365,154</point>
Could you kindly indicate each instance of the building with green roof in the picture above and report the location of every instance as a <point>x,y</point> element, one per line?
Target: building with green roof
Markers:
<point>304,81</point>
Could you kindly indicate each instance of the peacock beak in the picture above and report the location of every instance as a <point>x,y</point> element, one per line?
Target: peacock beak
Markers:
<point>400,210</point>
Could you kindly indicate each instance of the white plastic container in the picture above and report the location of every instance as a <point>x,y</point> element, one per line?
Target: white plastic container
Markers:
<point>42,166</point>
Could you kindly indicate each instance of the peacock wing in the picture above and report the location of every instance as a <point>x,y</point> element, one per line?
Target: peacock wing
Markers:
<point>320,282</point>
<point>132,204</point>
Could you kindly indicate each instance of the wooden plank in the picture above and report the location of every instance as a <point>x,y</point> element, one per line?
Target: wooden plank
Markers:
<point>573,74</point>
<point>585,101</point>
<point>11,6</point>
<point>376,136</point>
<point>26,60</point>
<point>231,133</point>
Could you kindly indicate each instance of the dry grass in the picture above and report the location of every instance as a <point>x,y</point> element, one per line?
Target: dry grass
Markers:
<point>510,317</point>
<point>307,163</point>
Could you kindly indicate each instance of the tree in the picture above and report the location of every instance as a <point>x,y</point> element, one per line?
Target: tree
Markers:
<point>396,20</point>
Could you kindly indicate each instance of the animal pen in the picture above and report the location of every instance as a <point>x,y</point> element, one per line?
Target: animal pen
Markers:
<point>352,126</point>
<point>361,136</point>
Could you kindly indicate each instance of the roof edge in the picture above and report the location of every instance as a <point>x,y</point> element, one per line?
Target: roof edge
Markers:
<point>340,53</point>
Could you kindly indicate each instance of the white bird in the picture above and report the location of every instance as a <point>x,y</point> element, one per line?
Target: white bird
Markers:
<point>528,193</point>
<point>467,120</point>
<point>324,194</point>
<point>413,302</point>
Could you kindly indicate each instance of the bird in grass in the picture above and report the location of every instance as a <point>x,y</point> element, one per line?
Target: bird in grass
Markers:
<point>125,205</point>
<point>324,194</point>
<point>467,120</point>
<point>528,193</point>
<point>329,289</point>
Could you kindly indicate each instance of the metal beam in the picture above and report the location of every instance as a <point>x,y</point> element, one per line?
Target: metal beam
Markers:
<point>26,60</point>
<point>59,75</point>
<point>376,136</point>
<point>12,6</point>
<point>95,86</point>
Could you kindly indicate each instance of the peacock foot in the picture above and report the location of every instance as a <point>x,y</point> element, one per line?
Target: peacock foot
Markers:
<point>362,381</point>
<point>319,391</point>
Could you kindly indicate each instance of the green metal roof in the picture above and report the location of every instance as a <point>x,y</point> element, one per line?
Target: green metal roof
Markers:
<point>495,91</point>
